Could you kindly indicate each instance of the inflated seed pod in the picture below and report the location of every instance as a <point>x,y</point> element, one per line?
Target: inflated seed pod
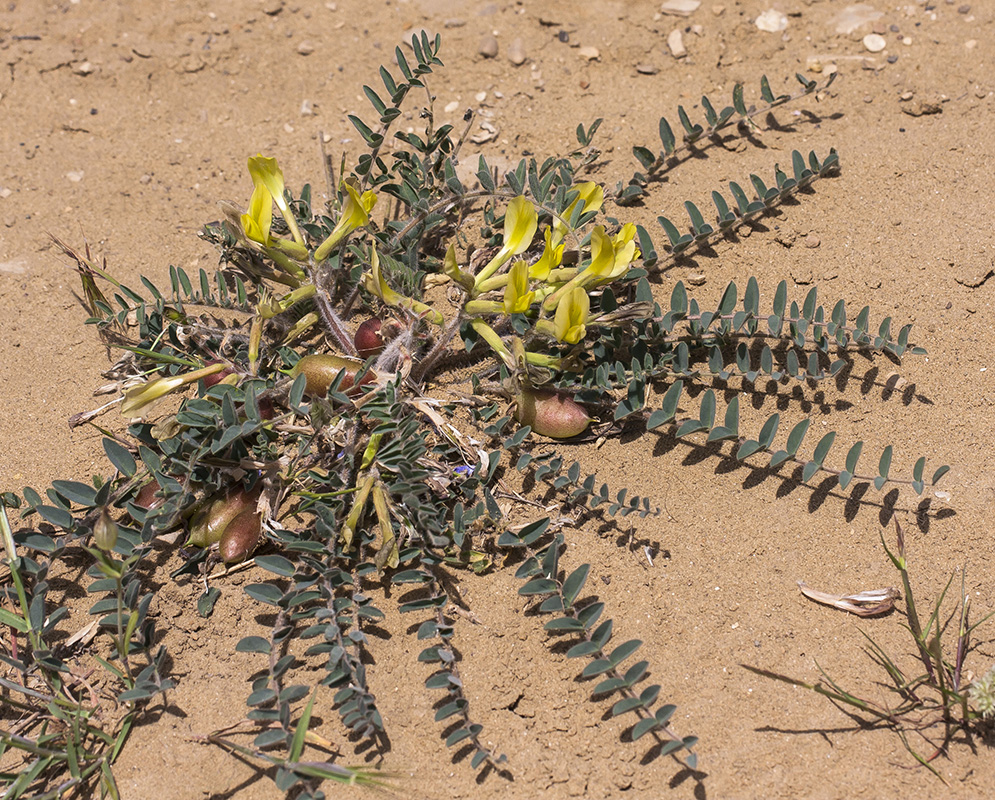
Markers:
<point>146,497</point>
<point>216,377</point>
<point>550,413</point>
<point>209,524</point>
<point>241,536</point>
<point>321,369</point>
<point>369,339</point>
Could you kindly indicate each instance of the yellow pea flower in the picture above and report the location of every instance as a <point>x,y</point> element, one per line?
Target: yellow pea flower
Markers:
<point>570,322</point>
<point>602,262</point>
<point>624,248</point>
<point>551,258</point>
<point>591,195</point>
<point>355,214</point>
<point>257,221</point>
<point>138,397</point>
<point>517,297</point>
<point>520,223</point>
<point>266,172</point>
<point>451,268</point>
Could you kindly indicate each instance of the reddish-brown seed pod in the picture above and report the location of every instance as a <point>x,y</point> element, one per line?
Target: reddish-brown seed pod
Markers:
<point>321,369</point>
<point>241,536</point>
<point>146,497</point>
<point>369,339</point>
<point>216,377</point>
<point>266,408</point>
<point>209,524</point>
<point>551,414</point>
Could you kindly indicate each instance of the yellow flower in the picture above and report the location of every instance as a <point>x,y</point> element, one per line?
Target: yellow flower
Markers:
<point>451,268</point>
<point>569,324</point>
<point>138,397</point>
<point>551,258</point>
<point>355,214</point>
<point>517,297</point>
<point>624,247</point>
<point>592,195</point>
<point>520,223</point>
<point>257,222</point>
<point>602,261</point>
<point>266,172</point>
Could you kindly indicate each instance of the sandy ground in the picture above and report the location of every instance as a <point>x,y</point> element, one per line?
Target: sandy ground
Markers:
<point>124,123</point>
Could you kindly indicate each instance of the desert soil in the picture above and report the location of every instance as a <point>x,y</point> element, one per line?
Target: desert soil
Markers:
<point>123,124</point>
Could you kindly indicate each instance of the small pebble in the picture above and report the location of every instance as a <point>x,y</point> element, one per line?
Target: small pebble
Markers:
<point>563,36</point>
<point>964,9</point>
<point>272,7</point>
<point>145,180</point>
<point>307,108</point>
<point>874,42</point>
<point>646,69</point>
<point>907,41</point>
<point>680,8</point>
<point>696,279</point>
<point>772,21</point>
<point>590,53</point>
<point>970,44</point>
<point>516,53</point>
<point>75,177</point>
<point>305,48</point>
<point>906,96</point>
<point>480,97</point>
<point>85,68</point>
<point>488,47</point>
<point>454,22</point>
<point>812,241</point>
<point>676,44</point>
<point>451,106</point>
<point>892,59</point>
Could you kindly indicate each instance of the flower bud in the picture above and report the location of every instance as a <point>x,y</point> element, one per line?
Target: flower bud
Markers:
<point>105,531</point>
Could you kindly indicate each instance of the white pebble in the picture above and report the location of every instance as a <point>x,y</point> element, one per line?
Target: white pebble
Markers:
<point>676,44</point>
<point>772,21</point>
<point>875,42</point>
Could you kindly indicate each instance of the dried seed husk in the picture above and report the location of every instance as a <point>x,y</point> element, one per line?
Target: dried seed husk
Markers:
<point>550,413</point>
<point>241,536</point>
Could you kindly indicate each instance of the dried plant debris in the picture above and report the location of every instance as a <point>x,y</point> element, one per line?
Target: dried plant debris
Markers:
<point>864,604</point>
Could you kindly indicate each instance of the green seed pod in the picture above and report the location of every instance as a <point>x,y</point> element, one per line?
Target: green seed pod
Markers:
<point>321,369</point>
<point>241,536</point>
<point>209,524</point>
<point>550,413</point>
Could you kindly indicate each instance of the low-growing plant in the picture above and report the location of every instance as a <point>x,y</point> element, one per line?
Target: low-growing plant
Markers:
<point>931,706</point>
<point>368,388</point>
